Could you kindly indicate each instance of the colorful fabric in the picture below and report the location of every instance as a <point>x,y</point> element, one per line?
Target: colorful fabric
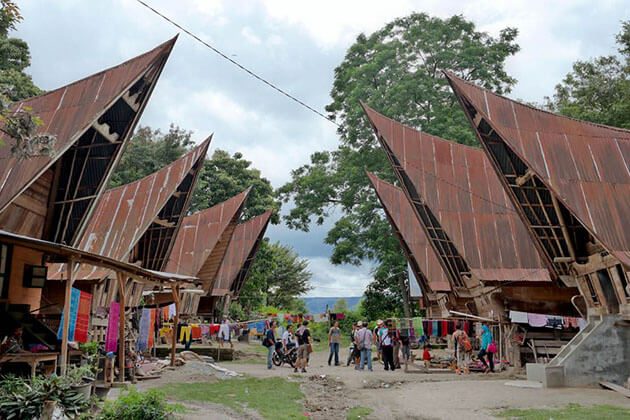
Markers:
<point>111,339</point>
<point>82,325</point>
<point>435,328</point>
<point>444,331</point>
<point>152,328</point>
<point>537,320</point>
<point>418,326</point>
<point>171,311</point>
<point>518,317</point>
<point>196,331</point>
<point>185,334</point>
<point>205,330</point>
<point>143,336</point>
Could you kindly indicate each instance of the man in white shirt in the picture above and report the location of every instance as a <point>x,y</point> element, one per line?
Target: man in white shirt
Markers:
<point>224,333</point>
<point>288,341</point>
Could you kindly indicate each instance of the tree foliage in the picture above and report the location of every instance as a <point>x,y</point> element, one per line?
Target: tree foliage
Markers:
<point>398,71</point>
<point>598,90</point>
<point>150,150</point>
<point>223,176</point>
<point>277,277</point>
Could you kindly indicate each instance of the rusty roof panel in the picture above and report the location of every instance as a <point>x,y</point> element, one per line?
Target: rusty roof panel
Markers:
<point>240,255</point>
<point>460,186</point>
<point>199,237</point>
<point>404,221</point>
<point>123,214</point>
<point>67,112</point>
<point>586,165</point>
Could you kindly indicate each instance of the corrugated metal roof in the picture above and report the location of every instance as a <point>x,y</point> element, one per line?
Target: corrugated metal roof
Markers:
<point>404,221</point>
<point>123,214</point>
<point>67,112</point>
<point>586,165</point>
<point>240,255</point>
<point>462,190</point>
<point>203,240</point>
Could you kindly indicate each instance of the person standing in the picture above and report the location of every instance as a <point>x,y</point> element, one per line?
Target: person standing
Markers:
<point>287,339</point>
<point>363,342</point>
<point>387,347</point>
<point>486,340</point>
<point>334,338</point>
<point>224,333</point>
<point>304,341</point>
<point>270,343</point>
<point>377,339</point>
<point>462,349</point>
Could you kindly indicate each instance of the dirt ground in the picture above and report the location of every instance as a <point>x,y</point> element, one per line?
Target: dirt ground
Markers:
<point>329,391</point>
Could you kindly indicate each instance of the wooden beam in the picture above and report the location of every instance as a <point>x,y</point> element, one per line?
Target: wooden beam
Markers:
<point>132,101</point>
<point>522,180</point>
<point>175,291</point>
<point>121,326</point>
<point>66,317</point>
<point>563,225</point>
<point>164,223</point>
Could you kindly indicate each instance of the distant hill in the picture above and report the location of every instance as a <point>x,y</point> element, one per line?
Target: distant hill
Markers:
<point>317,305</point>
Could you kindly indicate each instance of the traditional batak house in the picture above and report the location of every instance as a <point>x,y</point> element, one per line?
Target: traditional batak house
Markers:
<point>570,182</point>
<point>200,248</point>
<point>239,257</point>
<point>137,223</point>
<point>437,294</point>
<point>481,241</point>
<point>52,197</point>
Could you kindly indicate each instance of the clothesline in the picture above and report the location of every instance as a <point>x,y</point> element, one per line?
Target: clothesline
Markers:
<point>548,321</point>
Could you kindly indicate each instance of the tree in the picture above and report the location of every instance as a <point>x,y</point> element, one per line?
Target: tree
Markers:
<point>15,56</point>
<point>340,306</point>
<point>150,150</point>
<point>277,278</point>
<point>19,125</point>
<point>598,90</point>
<point>396,70</point>
<point>223,176</point>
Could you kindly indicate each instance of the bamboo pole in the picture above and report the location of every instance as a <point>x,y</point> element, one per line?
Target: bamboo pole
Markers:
<point>175,291</point>
<point>121,326</point>
<point>66,317</point>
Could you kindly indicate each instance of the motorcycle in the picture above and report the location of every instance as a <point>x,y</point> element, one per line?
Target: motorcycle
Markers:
<point>351,354</point>
<point>279,356</point>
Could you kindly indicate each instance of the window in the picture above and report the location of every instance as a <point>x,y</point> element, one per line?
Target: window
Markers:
<point>5,268</point>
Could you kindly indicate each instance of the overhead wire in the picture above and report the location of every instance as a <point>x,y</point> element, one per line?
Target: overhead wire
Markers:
<point>236,63</point>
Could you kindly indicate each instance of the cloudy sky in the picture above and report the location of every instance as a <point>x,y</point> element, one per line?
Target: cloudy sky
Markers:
<point>295,44</point>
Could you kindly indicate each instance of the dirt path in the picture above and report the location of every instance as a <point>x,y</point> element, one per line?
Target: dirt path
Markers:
<point>330,391</point>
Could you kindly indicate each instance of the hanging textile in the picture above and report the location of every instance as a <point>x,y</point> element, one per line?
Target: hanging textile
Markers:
<point>74,307</point>
<point>171,311</point>
<point>435,328</point>
<point>427,326</point>
<point>537,320</point>
<point>111,340</point>
<point>82,324</point>
<point>185,334</point>
<point>445,328</point>
<point>518,317</point>
<point>554,321</point>
<point>196,331</point>
<point>144,331</point>
<point>418,326</point>
<point>152,328</point>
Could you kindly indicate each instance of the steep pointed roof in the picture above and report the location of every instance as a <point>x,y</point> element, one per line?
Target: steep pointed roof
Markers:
<point>69,111</point>
<point>125,214</point>
<point>240,254</point>
<point>585,165</point>
<point>203,240</point>
<point>464,194</point>
<point>413,237</point>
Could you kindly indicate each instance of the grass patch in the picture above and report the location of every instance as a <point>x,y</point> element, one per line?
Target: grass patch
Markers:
<point>356,413</point>
<point>272,398</point>
<point>570,412</point>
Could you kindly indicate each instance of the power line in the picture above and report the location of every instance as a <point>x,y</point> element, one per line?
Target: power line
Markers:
<point>237,64</point>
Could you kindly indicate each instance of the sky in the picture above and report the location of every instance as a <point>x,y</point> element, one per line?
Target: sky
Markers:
<point>296,45</point>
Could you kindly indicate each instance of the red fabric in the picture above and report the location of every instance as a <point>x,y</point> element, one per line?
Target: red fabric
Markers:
<point>214,329</point>
<point>83,318</point>
<point>444,328</point>
<point>196,332</point>
<point>152,328</point>
<point>426,355</point>
<point>467,327</point>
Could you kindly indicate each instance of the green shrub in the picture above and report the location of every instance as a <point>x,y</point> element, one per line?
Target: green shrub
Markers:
<point>24,398</point>
<point>134,405</point>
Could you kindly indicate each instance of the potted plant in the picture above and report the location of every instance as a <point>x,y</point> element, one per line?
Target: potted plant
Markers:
<point>81,379</point>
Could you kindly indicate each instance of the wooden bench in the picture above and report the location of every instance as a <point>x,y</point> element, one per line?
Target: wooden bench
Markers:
<point>32,359</point>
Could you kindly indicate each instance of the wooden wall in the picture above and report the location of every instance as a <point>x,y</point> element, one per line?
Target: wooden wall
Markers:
<point>18,294</point>
<point>27,214</point>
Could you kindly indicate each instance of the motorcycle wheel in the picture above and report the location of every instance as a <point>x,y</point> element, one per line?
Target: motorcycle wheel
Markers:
<point>276,359</point>
<point>293,359</point>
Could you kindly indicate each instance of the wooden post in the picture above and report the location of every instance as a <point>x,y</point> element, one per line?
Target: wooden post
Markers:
<point>66,317</point>
<point>175,291</point>
<point>121,326</point>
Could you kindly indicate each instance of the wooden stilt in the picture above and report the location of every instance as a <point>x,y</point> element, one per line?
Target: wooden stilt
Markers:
<point>66,317</point>
<point>121,326</point>
<point>175,291</point>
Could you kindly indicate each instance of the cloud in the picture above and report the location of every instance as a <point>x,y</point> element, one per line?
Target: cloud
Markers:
<point>337,280</point>
<point>250,36</point>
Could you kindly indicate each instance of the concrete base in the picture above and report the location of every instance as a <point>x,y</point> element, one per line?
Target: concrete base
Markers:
<point>601,352</point>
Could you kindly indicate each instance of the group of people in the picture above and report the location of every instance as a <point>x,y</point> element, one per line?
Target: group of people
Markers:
<point>301,338</point>
<point>392,347</point>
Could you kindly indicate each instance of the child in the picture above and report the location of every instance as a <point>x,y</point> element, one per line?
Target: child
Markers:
<point>426,356</point>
